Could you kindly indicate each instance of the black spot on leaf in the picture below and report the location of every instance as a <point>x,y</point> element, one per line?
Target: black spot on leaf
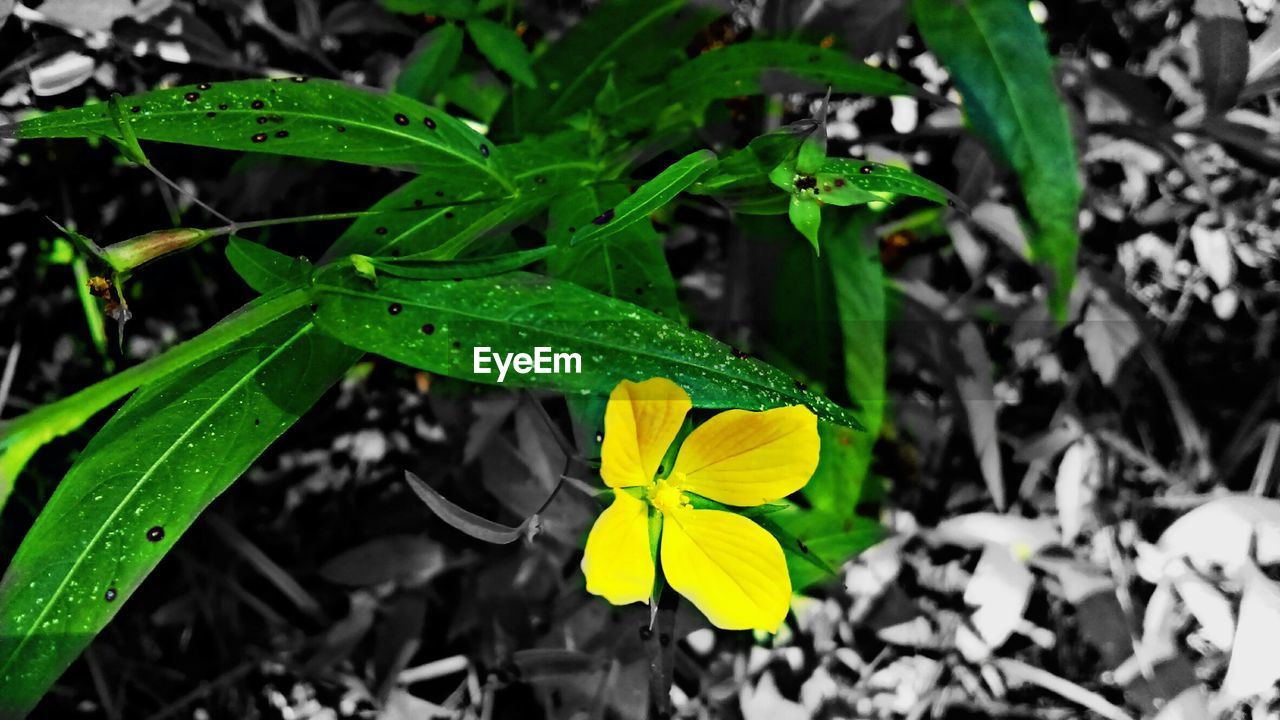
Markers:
<point>257,104</point>
<point>380,230</point>
<point>603,217</point>
<point>402,119</point>
<point>191,96</point>
<point>155,534</point>
<point>395,308</point>
<point>109,595</point>
<point>431,124</point>
<point>282,133</point>
<point>259,138</point>
<point>428,329</point>
<point>484,150</point>
<point>865,169</point>
<point>203,86</point>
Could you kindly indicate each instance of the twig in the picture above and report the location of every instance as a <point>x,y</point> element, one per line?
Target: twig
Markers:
<point>434,669</point>
<point>1022,672</point>
<point>10,365</point>
<point>1136,456</point>
<point>205,688</point>
<point>268,568</point>
<point>1265,470</point>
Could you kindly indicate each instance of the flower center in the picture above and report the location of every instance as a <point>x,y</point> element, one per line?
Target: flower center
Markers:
<point>666,496</point>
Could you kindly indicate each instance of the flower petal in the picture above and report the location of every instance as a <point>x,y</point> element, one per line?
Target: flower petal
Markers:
<point>728,566</point>
<point>750,458</point>
<point>640,422</point>
<point>617,562</point>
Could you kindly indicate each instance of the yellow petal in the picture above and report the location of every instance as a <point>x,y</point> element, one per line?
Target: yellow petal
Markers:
<point>729,567</point>
<point>750,458</point>
<point>617,562</point>
<point>640,422</point>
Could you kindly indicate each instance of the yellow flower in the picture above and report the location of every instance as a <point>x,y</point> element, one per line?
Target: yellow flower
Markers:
<point>727,565</point>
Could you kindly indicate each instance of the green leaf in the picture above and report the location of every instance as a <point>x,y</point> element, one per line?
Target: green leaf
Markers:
<point>846,181</point>
<point>997,56</point>
<point>422,221</point>
<point>431,63</point>
<point>751,165</point>
<point>758,67</point>
<point>858,284</point>
<point>310,118</point>
<point>449,269</point>
<point>264,269</point>
<point>648,198</point>
<point>436,326</point>
<point>23,435</point>
<point>629,266</point>
<point>437,8</point>
<point>141,482</point>
<point>829,538</point>
<point>503,49</point>
<point>632,40</point>
<point>806,217</point>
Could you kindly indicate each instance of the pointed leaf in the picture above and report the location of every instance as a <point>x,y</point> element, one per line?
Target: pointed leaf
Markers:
<point>303,117</point>
<point>806,217</point>
<point>629,266</point>
<point>264,269</point>
<point>757,67</point>
<point>503,49</point>
<point>648,198</point>
<point>997,56</point>
<point>140,483</point>
<point>439,325</point>
<point>431,63</point>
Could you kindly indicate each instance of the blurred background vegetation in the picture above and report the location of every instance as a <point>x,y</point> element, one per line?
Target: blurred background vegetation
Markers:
<point>1134,449</point>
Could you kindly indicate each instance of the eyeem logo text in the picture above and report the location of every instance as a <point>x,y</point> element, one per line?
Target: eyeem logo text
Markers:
<point>542,362</point>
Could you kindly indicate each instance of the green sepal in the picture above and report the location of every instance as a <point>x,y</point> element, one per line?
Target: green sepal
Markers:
<point>806,215</point>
